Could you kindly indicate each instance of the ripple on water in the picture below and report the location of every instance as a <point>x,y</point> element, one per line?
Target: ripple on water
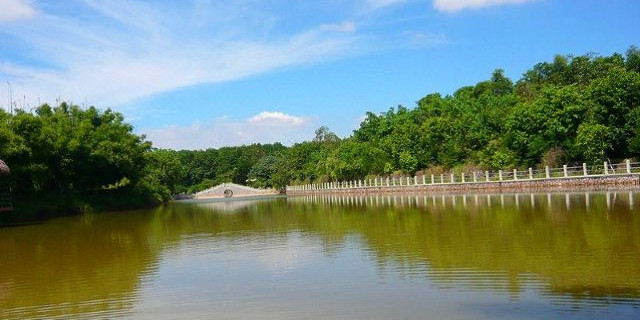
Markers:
<point>462,257</point>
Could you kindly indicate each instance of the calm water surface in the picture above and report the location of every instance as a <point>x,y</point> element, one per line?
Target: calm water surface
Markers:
<point>526,256</point>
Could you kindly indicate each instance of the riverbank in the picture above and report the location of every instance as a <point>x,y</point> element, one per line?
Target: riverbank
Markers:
<point>555,184</point>
<point>50,206</point>
<point>619,175</point>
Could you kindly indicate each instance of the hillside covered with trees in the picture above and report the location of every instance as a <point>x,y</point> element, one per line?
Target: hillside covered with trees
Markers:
<point>573,109</point>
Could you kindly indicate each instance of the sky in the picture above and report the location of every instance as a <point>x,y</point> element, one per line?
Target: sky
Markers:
<point>197,74</point>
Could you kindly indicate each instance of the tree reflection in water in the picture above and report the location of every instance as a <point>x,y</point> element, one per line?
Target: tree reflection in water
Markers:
<point>572,248</point>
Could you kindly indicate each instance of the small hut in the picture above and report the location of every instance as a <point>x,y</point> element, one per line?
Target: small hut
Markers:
<point>5,191</point>
<point>4,169</point>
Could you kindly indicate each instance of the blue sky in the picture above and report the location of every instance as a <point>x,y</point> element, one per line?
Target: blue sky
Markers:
<point>194,74</point>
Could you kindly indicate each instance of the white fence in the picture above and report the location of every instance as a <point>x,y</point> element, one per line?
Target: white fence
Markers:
<point>605,169</point>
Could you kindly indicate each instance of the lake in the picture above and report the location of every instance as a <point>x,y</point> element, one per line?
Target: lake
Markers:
<point>414,256</point>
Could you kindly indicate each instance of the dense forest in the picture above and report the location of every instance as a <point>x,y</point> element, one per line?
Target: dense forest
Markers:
<point>570,110</point>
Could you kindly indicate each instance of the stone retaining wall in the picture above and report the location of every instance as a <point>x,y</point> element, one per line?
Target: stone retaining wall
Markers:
<point>600,181</point>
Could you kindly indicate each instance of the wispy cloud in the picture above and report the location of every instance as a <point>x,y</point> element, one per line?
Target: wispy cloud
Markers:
<point>267,118</point>
<point>13,10</point>
<point>383,3</point>
<point>264,127</point>
<point>114,52</point>
<point>457,5</point>
<point>348,26</point>
<point>425,38</point>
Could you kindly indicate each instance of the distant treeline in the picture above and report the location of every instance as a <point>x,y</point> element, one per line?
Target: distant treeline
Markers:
<point>573,109</point>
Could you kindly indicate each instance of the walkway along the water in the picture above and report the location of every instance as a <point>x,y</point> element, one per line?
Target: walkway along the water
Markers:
<point>606,174</point>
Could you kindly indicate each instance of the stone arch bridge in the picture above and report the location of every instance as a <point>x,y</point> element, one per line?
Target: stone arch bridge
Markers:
<point>232,190</point>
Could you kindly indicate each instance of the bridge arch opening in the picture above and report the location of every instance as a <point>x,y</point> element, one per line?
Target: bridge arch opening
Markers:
<point>228,193</point>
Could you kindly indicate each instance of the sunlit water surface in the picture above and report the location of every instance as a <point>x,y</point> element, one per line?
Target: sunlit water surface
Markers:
<point>525,256</point>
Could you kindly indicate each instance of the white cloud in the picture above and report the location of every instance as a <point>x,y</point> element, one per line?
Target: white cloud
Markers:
<point>277,119</point>
<point>13,10</point>
<point>111,53</point>
<point>265,127</point>
<point>126,50</point>
<point>457,5</point>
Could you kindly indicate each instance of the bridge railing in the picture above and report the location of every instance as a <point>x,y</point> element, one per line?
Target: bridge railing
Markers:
<point>605,169</point>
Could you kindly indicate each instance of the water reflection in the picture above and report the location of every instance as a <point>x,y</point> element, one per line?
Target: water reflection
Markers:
<point>454,256</point>
<point>230,205</point>
<point>73,266</point>
<point>621,197</point>
<point>568,245</point>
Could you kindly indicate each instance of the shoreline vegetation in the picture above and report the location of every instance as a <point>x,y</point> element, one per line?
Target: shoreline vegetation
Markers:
<point>66,159</point>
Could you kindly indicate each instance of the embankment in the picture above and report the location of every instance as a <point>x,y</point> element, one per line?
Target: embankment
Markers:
<point>566,183</point>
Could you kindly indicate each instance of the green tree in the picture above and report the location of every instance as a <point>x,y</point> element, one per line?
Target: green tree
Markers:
<point>324,134</point>
<point>408,163</point>
<point>262,172</point>
<point>594,140</point>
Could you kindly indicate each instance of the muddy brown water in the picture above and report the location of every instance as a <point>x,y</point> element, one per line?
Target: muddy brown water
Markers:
<point>413,256</point>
